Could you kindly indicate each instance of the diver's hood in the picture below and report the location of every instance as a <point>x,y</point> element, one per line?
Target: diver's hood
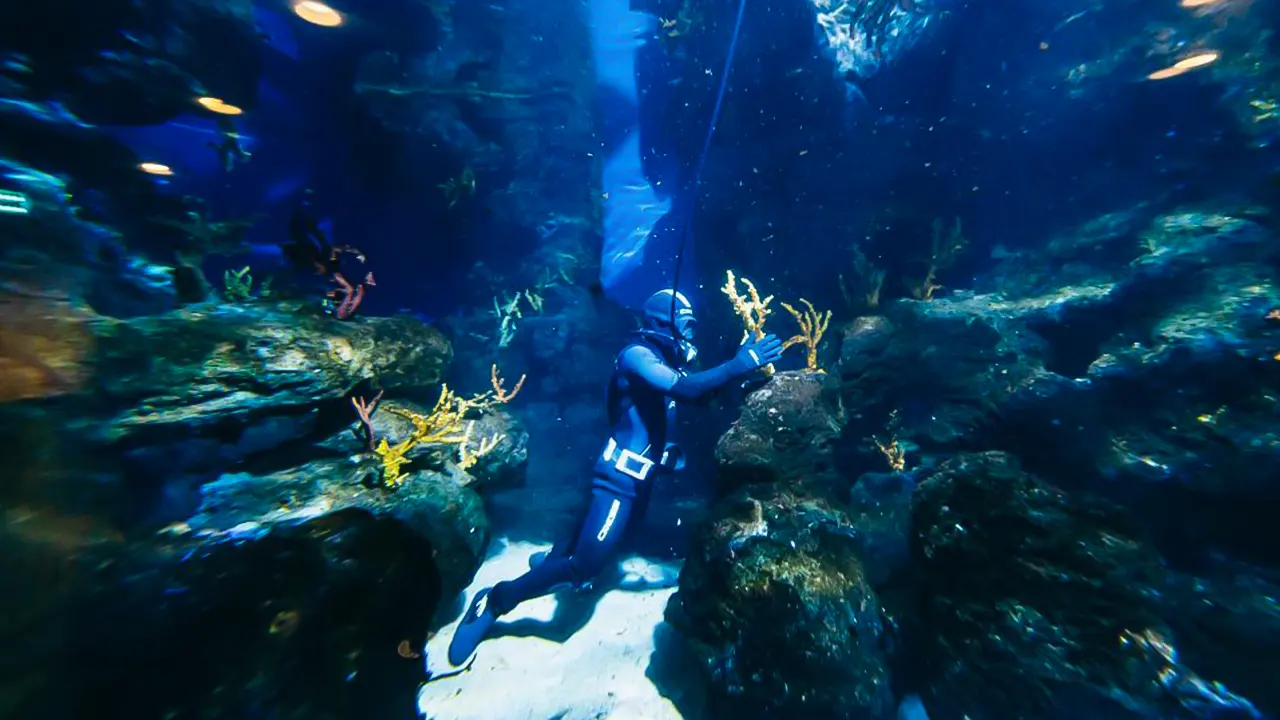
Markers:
<point>677,352</point>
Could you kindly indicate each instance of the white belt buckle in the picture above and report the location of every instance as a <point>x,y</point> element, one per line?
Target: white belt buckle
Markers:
<point>627,461</point>
<point>626,457</point>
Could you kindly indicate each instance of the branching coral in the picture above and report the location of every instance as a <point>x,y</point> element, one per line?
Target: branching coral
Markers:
<point>347,297</point>
<point>812,327</point>
<point>948,242</point>
<point>868,280</point>
<point>467,458</point>
<point>751,309</point>
<point>894,453</point>
<point>508,312</point>
<point>365,409</point>
<point>754,311</point>
<point>444,425</point>
<point>238,284</point>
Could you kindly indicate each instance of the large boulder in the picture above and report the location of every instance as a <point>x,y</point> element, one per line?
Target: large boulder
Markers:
<point>152,407</point>
<point>299,593</point>
<point>1132,357</point>
<point>438,507</point>
<point>787,433</point>
<point>1035,603</point>
<point>775,603</point>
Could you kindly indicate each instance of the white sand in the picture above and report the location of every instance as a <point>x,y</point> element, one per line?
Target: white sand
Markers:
<point>572,656</point>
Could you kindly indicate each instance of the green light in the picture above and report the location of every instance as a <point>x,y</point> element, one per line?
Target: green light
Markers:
<point>14,203</point>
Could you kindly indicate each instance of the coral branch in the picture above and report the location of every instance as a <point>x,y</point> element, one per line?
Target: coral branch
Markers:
<point>813,325</point>
<point>366,409</point>
<point>499,394</point>
<point>466,458</point>
<point>946,244</point>
<point>751,309</point>
<point>445,425</point>
<point>347,297</point>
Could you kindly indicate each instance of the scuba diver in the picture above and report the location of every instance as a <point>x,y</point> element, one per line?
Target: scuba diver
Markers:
<point>648,381</point>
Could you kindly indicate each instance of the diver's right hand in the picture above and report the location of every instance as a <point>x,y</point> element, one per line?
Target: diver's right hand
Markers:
<point>758,353</point>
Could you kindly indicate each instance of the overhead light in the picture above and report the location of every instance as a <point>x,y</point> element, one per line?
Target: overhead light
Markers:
<point>155,168</point>
<point>1190,62</point>
<point>213,104</point>
<point>1197,3</point>
<point>1198,60</point>
<point>317,13</point>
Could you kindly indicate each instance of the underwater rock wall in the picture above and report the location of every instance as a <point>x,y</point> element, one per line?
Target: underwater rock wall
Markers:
<point>1035,603</point>
<point>1045,498</point>
<point>1132,359</point>
<point>167,402</point>
<point>774,600</point>
<point>206,483</point>
<point>193,511</point>
<point>236,500</point>
<point>1145,377</point>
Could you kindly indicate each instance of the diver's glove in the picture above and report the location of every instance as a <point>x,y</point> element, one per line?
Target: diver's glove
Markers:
<point>756,354</point>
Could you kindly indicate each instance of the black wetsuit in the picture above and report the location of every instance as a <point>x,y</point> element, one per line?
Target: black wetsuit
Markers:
<point>642,400</point>
<point>643,392</point>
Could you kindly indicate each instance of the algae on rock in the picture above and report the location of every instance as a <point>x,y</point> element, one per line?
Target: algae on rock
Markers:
<point>775,603</point>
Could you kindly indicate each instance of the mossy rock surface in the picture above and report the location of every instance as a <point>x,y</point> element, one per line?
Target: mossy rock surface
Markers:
<point>774,602</point>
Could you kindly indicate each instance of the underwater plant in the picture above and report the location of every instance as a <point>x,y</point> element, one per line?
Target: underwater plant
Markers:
<point>309,249</point>
<point>867,282</point>
<point>813,325</point>
<point>365,409</point>
<point>508,312</point>
<point>947,243</point>
<point>892,449</point>
<point>444,425</point>
<point>752,310</point>
<point>237,285</point>
<point>346,297</point>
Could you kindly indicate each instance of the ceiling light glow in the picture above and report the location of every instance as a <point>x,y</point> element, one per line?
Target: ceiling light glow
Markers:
<point>155,168</point>
<point>1190,62</point>
<point>216,105</point>
<point>317,13</point>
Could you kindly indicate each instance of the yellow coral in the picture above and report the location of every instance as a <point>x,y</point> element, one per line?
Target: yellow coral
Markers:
<point>894,453</point>
<point>812,327</point>
<point>751,308</point>
<point>444,425</point>
<point>467,458</point>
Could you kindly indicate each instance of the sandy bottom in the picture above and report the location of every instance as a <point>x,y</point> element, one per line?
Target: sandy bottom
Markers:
<point>576,655</point>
